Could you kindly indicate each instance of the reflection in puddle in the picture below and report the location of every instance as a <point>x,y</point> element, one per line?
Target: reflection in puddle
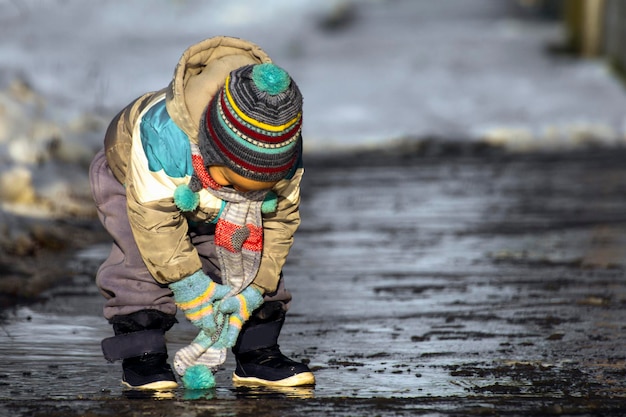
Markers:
<point>251,391</point>
<point>239,392</point>
<point>136,394</point>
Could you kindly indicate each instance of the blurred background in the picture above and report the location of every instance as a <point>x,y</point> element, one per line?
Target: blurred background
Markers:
<point>523,75</point>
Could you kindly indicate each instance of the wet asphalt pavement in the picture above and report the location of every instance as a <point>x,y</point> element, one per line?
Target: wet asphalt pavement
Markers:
<point>440,282</point>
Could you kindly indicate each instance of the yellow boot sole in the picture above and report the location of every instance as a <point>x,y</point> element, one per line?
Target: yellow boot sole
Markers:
<point>304,378</point>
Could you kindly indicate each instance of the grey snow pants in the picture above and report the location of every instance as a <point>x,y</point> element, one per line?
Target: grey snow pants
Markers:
<point>123,278</point>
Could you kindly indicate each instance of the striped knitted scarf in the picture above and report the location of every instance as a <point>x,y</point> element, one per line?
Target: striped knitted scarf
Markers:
<point>239,244</point>
<point>238,232</point>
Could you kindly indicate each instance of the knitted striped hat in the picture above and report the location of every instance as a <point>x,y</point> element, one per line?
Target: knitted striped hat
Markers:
<point>253,124</point>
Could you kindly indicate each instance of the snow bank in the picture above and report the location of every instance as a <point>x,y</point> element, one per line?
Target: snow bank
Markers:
<point>43,167</point>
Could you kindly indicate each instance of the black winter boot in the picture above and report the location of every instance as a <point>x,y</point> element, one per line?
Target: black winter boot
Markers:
<point>258,356</point>
<point>139,342</point>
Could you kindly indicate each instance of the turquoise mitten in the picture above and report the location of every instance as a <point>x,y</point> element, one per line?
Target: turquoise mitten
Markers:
<point>196,295</point>
<point>238,310</point>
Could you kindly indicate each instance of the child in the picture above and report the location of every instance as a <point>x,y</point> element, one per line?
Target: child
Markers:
<point>198,185</point>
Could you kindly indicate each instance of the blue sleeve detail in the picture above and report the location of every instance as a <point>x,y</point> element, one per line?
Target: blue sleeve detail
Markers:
<point>166,146</point>
<point>214,221</point>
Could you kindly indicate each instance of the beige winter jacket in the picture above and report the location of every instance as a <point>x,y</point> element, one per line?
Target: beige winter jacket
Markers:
<point>159,228</point>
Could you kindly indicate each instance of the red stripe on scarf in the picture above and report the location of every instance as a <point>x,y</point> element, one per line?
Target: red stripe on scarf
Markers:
<point>224,231</point>
<point>254,242</point>
<point>203,174</point>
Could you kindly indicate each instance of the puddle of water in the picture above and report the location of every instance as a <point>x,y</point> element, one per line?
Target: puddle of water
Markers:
<point>392,305</point>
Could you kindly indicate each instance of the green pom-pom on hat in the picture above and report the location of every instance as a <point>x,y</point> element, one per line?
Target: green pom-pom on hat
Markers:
<point>270,78</point>
<point>185,199</point>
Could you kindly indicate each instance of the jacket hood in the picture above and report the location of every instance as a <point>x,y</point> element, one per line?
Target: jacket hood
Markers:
<point>199,74</point>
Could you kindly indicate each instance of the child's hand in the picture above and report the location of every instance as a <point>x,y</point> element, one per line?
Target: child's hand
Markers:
<point>238,310</point>
<point>196,295</point>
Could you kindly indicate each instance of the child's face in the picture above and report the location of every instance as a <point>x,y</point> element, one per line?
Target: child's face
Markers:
<point>226,177</point>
